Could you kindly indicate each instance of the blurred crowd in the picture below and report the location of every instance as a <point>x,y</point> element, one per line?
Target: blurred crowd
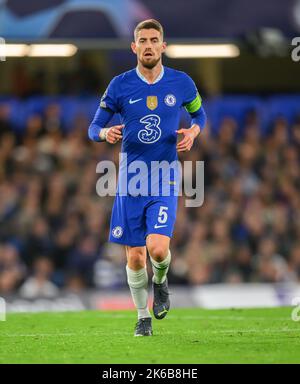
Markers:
<point>54,227</point>
<point>27,81</point>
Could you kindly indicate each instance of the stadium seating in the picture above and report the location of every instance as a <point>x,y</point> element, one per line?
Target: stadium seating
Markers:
<point>235,106</point>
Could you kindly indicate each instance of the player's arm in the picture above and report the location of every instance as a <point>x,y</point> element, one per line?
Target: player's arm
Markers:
<point>97,130</point>
<point>195,108</point>
<point>190,134</point>
<point>108,106</point>
<point>197,113</point>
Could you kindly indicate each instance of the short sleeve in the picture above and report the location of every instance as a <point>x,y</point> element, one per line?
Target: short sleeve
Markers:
<point>109,99</point>
<point>191,99</point>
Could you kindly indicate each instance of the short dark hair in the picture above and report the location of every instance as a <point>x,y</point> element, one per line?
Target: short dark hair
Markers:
<point>149,24</point>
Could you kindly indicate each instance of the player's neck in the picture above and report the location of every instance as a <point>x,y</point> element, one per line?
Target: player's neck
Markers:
<point>150,74</point>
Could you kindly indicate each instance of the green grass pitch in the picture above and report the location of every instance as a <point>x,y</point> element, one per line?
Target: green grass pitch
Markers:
<point>184,336</point>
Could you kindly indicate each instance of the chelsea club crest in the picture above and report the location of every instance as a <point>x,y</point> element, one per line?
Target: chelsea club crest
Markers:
<point>117,232</point>
<point>170,100</point>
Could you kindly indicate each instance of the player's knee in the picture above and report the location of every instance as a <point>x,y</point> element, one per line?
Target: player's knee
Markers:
<point>137,260</point>
<point>157,252</point>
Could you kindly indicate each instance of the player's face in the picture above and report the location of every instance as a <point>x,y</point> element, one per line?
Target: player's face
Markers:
<point>148,47</point>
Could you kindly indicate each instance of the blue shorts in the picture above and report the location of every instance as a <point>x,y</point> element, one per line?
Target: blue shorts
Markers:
<point>135,217</point>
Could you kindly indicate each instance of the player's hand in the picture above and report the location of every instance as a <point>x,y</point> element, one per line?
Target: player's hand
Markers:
<point>187,142</point>
<point>114,134</point>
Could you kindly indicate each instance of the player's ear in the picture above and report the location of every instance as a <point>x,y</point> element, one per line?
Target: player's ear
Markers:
<point>164,46</point>
<point>133,47</point>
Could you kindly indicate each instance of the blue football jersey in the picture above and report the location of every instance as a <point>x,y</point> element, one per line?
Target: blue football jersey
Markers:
<point>151,115</point>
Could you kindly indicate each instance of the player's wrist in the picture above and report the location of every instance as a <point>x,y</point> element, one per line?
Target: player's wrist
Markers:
<point>196,130</point>
<point>103,134</point>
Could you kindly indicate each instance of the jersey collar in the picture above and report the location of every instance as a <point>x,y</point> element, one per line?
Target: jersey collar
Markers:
<point>159,77</point>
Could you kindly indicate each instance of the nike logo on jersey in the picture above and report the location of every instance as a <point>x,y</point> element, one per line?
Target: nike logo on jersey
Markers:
<point>159,226</point>
<point>134,101</point>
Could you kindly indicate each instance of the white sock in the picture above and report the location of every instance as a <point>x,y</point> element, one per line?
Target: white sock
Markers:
<point>160,270</point>
<point>138,284</point>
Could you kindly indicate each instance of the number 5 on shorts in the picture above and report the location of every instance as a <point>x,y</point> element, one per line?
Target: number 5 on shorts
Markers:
<point>162,215</point>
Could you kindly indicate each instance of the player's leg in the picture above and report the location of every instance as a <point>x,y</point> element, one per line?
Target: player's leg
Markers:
<point>159,251</point>
<point>137,278</point>
<point>128,228</point>
<point>160,220</point>
<point>160,256</point>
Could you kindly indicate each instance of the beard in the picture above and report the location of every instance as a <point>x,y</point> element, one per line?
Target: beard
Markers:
<point>149,64</point>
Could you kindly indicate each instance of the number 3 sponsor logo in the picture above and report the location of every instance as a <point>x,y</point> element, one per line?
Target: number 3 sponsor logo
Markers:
<point>151,132</point>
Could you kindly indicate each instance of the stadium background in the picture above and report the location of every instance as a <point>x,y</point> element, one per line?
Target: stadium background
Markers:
<point>241,247</point>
